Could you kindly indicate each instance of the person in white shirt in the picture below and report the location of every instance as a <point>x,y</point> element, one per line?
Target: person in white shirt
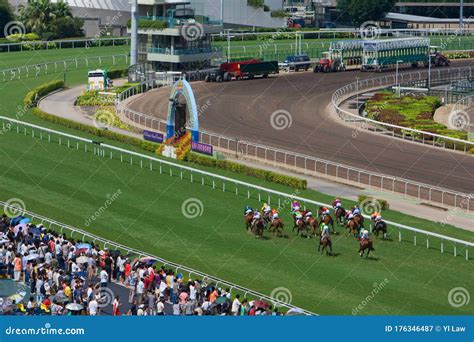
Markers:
<point>160,308</point>
<point>236,305</point>
<point>192,292</point>
<point>104,277</point>
<point>48,257</point>
<point>140,290</point>
<point>93,307</point>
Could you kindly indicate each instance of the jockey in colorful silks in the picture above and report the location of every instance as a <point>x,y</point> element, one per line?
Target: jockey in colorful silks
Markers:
<point>336,203</point>
<point>325,232</point>
<point>274,214</point>
<point>266,209</point>
<point>295,206</point>
<point>256,216</point>
<point>248,210</point>
<point>364,234</point>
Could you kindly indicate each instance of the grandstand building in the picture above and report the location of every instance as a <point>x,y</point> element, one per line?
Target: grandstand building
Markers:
<point>173,35</point>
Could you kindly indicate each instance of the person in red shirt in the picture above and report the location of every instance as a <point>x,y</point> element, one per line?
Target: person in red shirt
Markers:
<point>116,306</point>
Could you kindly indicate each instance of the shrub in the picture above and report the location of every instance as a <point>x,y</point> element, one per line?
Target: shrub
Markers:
<point>32,98</point>
<point>255,3</point>
<point>144,145</point>
<point>150,24</point>
<point>279,14</point>
<point>117,73</point>
<point>269,176</point>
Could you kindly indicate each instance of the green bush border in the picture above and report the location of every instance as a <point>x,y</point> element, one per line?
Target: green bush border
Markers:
<point>31,99</point>
<point>293,182</point>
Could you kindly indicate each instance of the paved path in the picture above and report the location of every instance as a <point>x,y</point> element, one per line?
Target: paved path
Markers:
<point>62,104</point>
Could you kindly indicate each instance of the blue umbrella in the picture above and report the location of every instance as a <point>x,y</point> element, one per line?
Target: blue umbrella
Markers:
<point>25,220</point>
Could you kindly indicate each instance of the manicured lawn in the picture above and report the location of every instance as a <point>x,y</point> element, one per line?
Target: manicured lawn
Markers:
<point>69,186</point>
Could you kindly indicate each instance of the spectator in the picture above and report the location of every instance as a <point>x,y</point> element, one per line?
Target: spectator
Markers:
<point>236,305</point>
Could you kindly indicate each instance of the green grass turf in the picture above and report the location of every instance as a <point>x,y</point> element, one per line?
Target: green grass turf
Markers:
<point>73,185</point>
<point>18,59</point>
<point>70,185</point>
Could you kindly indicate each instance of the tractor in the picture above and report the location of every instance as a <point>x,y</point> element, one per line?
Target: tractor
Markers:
<point>330,63</point>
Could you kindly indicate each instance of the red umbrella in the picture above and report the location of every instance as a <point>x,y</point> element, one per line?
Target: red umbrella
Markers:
<point>260,304</point>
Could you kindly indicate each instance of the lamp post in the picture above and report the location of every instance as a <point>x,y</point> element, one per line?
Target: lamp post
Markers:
<point>429,72</point>
<point>396,79</point>
<point>228,44</point>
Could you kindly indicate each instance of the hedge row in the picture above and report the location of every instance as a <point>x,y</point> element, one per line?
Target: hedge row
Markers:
<point>293,182</point>
<point>36,94</point>
<point>384,205</point>
<point>117,73</point>
<point>145,145</point>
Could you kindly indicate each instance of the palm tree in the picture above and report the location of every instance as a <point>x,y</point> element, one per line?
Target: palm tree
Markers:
<point>37,15</point>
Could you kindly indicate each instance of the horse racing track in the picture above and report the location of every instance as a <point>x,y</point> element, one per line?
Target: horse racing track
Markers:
<point>202,227</point>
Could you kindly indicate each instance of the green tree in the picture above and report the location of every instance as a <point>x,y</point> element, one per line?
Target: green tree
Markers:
<point>39,15</point>
<point>65,27</point>
<point>360,11</point>
<point>6,15</point>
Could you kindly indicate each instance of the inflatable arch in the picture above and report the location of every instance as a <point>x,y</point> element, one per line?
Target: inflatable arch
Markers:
<point>182,87</point>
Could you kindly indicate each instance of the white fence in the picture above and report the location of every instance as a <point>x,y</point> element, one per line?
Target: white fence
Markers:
<point>63,44</point>
<point>222,183</point>
<point>83,235</point>
<point>306,164</point>
<point>36,70</point>
<point>437,75</point>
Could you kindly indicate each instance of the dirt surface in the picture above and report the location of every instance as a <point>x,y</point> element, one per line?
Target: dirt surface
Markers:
<point>243,110</point>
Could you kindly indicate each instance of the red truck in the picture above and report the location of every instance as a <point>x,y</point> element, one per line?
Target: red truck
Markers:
<point>242,70</point>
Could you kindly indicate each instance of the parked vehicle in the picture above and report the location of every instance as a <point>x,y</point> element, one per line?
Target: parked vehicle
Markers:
<point>242,70</point>
<point>342,55</point>
<point>296,63</point>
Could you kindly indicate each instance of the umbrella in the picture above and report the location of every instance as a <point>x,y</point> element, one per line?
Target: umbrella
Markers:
<point>295,312</point>
<point>23,226</point>
<point>221,300</point>
<point>35,231</point>
<point>260,304</point>
<point>17,297</point>
<point>33,256</point>
<point>82,260</point>
<point>74,307</point>
<point>59,299</point>
<point>25,220</point>
<point>148,260</point>
<point>83,246</point>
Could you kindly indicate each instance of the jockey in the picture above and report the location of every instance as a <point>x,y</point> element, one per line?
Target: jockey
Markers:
<point>307,215</point>
<point>350,216</point>
<point>274,214</point>
<point>295,206</point>
<point>375,215</point>
<point>266,209</point>
<point>325,211</point>
<point>256,216</point>
<point>248,210</point>
<point>336,203</point>
<point>298,216</point>
<point>356,210</point>
<point>364,234</point>
<point>325,232</point>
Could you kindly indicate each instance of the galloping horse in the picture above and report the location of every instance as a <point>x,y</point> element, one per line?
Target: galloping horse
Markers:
<point>277,226</point>
<point>353,226</point>
<point>327,220</point>
<point>380,226</point>
<point>365,245</point>
<point>248,221</point>
<point>300,225</point>
<point>340,214</point>
<point>325,242</point>
<point>313,223</point>
<point>258,228</point>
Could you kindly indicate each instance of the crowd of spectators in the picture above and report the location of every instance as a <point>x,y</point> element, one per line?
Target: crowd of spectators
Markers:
<point>68,277</point>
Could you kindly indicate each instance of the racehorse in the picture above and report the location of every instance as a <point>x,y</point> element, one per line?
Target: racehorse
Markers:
<point>325,242</point>
<point>300,225</point>
<point>380,226</point>
<point>327,220</point>
<point>248,221</point>
<point>365,244</point>
<point>361,219</point>
<point>340,214</point>
<point>353,226</point>
<point>313,223</point>
<point>277,226</point>
<point>258,227</point>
